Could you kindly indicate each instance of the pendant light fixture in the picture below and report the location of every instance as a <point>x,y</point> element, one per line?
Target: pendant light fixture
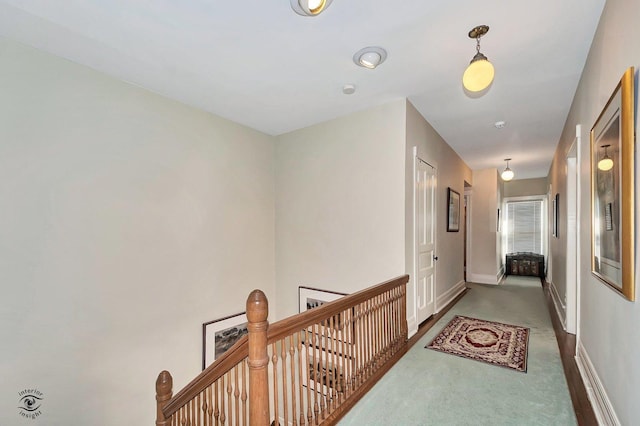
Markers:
<point>606,163</point>
<point>309,7</point>
<point>507,174</point>
<point>479,74</point>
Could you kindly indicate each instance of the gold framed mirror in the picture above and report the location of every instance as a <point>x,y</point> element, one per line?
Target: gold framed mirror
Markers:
<point>612,190</point>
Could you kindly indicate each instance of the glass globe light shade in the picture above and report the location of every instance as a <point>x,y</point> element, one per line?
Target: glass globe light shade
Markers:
<point>507,174</point>
<point>478,75</point>
<point>605,164</point>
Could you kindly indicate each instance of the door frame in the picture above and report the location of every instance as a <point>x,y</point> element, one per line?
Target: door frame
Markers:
<point>416,251</point>
<point>572,312</point>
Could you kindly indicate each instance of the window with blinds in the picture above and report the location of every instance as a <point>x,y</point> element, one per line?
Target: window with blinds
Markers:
<point>524,226</point>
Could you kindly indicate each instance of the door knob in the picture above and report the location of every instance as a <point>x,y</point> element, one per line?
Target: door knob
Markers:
<point>435,257</point>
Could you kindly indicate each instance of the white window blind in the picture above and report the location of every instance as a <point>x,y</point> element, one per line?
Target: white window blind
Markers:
<point>524,226</point>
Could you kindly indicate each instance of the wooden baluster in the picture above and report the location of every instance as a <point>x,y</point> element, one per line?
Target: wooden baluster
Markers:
<point>301,336</point>
<point>274,364</point>
<point>244,392</point>
<point>257,313</point>
<point>198,410</point>
<point>164,392</point>
<point>285,399</point>
<point>292,352</point>
<point>358,348</point>
<point>204,407</point>
<point>229,397</point>
<point>348,351</point>
<point>236,393</point>
<point>305,364</point>
<point>317,402</point>
<point>210,406</point>
<point>216,410</point>
<point>223,414</point>
<point>386,326</point>
<point>375,352</point>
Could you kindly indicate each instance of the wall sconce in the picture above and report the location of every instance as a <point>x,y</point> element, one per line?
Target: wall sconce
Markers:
<point>309,7</point>
<point>606,163</point>
<point>507,174</point>
<point>479,74</point>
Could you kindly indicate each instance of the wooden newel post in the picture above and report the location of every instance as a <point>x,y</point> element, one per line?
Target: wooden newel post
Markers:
<point>164,392</point>
<point>257,313</point>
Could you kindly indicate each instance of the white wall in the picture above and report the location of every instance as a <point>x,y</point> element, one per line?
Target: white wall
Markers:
<point>609,329</point>
<point>126,221</point>
<point>486,242</point>
<point>340,204</point>
<point>525,187</point>
<point>451,172</point>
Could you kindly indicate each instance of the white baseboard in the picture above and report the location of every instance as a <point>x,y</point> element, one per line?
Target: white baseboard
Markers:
<point>561,308</point>
<point>605,414</point>
<point>447,297</point>
<point>412,326</point>
<point>483,279</point>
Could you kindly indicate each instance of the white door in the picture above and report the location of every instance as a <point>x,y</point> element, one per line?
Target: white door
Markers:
<point>425,186</point>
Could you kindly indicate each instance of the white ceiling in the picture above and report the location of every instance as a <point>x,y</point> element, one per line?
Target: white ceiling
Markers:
<point>258,63</point>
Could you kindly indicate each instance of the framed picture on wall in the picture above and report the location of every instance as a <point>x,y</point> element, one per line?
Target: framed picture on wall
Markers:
<point>219,335</point>
<point>453,210</point>
<point>310,298</point>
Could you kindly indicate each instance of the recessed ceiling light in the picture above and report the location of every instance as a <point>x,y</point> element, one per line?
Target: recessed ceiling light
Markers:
<point>370,57</point>
<point>309,7</point>
<point>500,124</point>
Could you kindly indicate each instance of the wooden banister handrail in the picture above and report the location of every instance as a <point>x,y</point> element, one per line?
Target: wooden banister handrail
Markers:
<point>289,325</point>
<point>355,338</point>
<point>212,373</point>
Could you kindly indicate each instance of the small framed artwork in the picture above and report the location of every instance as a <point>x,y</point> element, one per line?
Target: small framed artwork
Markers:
<point>310,298</point>
<point>323,335</point>
<point>219,335</point>
<point>453,210</point>
<point>612,190</point>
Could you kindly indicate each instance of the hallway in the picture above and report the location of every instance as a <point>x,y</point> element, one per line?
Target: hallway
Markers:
<point>431,388</point>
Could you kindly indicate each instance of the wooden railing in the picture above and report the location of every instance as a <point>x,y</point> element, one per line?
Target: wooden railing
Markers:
<point>308,369</point>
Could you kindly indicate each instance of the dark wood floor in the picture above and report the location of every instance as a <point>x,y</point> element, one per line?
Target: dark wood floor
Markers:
<point>566,344</point>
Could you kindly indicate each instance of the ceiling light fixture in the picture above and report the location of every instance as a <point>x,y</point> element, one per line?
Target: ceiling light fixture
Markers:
<point>309,7</point>
<point>349,89</point>
<point>370,57</point>
<point>479,74</point>
<point>507,174</point>
<point>606,163</point>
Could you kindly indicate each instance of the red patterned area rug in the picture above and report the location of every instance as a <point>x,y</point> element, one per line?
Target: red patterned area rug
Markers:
<point>492,342</point>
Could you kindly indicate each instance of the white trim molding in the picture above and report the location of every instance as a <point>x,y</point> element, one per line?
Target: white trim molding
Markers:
<point>484,278</point>
<point>561,308</point>
<point>448,296</point>
<point>602,407</point>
